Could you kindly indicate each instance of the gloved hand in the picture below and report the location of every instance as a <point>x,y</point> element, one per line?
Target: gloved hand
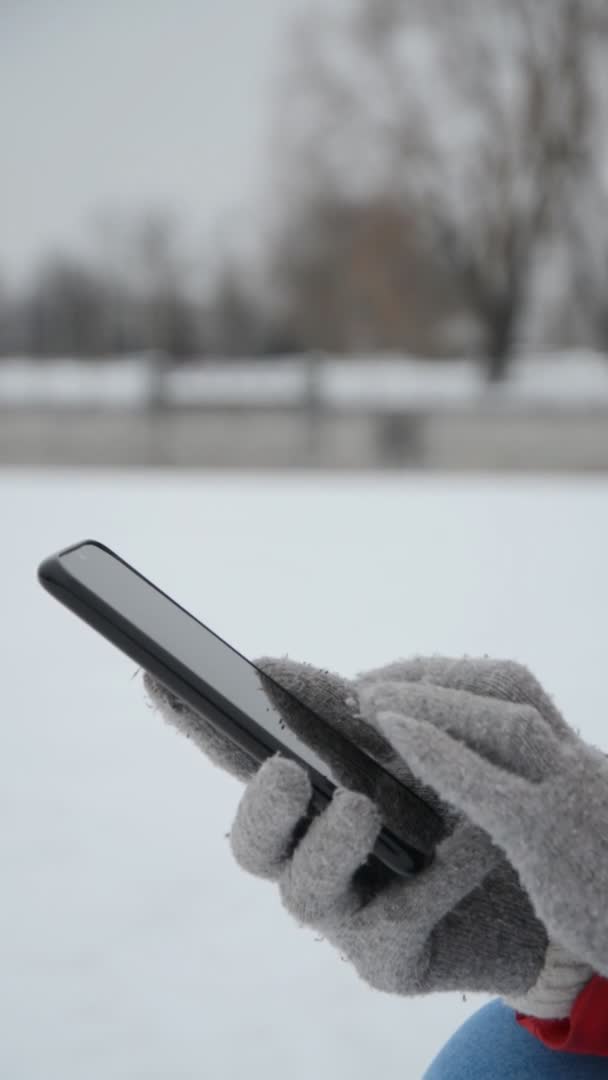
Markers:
<point>513,902</point>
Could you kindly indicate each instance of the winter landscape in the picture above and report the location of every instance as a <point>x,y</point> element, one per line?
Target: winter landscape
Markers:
<point>304,311</point>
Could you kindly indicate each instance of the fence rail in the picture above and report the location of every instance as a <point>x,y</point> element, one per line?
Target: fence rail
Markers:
<point>281,437</point>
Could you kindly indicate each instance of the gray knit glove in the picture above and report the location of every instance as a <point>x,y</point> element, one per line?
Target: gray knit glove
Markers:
<point>514,902</point>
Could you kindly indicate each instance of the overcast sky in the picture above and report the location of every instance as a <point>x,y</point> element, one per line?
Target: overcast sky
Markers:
<point>126,104</point>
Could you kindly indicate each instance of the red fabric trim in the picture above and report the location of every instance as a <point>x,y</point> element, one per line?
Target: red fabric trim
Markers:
<point>585,1031</point>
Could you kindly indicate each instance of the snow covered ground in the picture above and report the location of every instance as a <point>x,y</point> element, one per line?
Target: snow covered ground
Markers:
<point>575,378</point>
<point>131,946</point>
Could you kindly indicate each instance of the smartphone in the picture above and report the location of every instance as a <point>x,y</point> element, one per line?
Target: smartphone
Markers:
<point>239,699</point>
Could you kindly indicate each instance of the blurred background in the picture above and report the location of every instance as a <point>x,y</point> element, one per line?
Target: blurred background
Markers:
<point>304,310</point>
<point>351,235</point>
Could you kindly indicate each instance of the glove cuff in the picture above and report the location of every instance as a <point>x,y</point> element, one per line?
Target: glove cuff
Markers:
<point>559,983</point>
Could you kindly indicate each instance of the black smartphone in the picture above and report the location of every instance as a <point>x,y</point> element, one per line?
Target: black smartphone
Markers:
<point>218,682</point>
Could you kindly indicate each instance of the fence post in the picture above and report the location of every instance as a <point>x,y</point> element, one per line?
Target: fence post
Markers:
<point>314,406</point>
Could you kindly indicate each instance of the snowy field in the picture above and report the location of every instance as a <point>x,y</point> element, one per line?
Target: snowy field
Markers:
<point>131,946</point>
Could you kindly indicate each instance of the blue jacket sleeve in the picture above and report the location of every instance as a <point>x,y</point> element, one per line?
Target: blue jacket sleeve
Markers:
<point>493,1046</point>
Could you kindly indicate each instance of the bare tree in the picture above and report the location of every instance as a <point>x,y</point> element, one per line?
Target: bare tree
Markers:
<point>237,324</point>
<point>585,224</point>
<point>161,267</point>
<point>6,318</point>
<point>471,116</point>
<point>588,232</point>
<point>129,294</point>
<point>65,311</point>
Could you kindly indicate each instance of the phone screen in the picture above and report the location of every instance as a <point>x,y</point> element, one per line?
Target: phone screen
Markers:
<point>228,674</point>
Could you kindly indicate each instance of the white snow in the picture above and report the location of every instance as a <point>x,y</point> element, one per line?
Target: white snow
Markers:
<point>574,378</point>
<point>131,946</point>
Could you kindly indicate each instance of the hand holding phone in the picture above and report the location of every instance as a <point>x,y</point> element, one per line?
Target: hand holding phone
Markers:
<point>323,782</point>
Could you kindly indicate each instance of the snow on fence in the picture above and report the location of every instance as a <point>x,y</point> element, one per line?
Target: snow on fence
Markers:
<point>564,379</point>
